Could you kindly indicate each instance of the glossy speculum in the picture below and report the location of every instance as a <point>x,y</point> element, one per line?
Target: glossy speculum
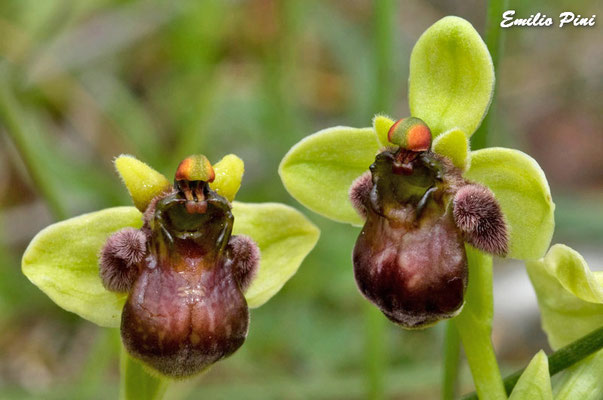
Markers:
<point>185,308</point>
<point>410,259</point>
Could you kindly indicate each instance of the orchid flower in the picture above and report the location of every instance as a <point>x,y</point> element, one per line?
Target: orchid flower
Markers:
<point>433,211</point>
<point>178,271</point>
<point>495,199</point>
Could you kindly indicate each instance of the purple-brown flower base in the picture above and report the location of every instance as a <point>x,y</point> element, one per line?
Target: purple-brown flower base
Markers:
<point>416,275</point>
<point>180,323</point>
<point>409,259</point>
<point>185,275</point>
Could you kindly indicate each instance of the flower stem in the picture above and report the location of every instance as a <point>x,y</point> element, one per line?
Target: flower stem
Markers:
<point>452,352</point>
<point>14,122</point>
<point>383,25</point>
<point>561,359</point>
<point>376,359</point>
<point>494,40</point>
<point>474,325</point>
<point>136,383</point>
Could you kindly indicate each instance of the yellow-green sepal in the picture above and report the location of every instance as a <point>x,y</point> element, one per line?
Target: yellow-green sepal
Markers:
<point>523,193</point>
<point>451,77</point>
<point>319,170</point>
<point>62,261</point>
<point>285,237</point>
<point>143,182</point>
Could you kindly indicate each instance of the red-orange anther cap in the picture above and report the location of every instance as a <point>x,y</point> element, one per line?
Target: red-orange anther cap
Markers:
<point>195,168</point>
<point>411,134</point>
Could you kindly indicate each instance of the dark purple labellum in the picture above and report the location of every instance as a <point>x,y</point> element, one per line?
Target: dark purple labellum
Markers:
<point>410,259</point>
<point>185,308</point>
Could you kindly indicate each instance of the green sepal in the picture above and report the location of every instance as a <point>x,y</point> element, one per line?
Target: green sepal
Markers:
<point>535,382</point>
<point>319,170</point>
<point>62,260</point>
<point>283,234</point>
<point>523,192</point>
<point>143,182</point>
<point>451,77</point>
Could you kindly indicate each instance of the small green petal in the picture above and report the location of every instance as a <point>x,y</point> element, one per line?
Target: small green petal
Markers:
<point>582,380</point>
<point>229,173</point>
<point>451,77</point>
<point>569,295</point>
<point>523,192</point>
<point>454,145</point>
<point>284,235</point>
<point>62,260</point>
<point>381,125</point>
<point>535,382</point>
<point>142,181</point>
<point>319,170</point>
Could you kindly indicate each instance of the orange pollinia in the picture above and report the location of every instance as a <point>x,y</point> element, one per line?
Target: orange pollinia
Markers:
<point>195,168</point>
<point>410,134</point>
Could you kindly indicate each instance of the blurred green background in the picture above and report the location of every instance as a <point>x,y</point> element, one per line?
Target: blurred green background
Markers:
<point>82,82</point>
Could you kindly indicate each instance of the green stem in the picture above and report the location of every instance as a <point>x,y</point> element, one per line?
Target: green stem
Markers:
<point>136,383</point>
<point>383,35</point>
<point>479,140</point>
<point>494,40</point>
<point>561,359</point>
<point>452,353</point>
<point>11,116</point>
<point>376,359</point>
<point>474,325</point>
<point>383,25</point>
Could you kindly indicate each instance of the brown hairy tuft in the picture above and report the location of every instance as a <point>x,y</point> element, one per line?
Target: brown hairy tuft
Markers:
<point>245,255</point>
<point>360,191</point>
<point>478,215</point>
<point>119,258</point>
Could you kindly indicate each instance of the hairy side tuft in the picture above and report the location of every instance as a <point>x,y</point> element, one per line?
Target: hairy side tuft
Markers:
<point>360,191</point>
<point>245,255</point>
<point>478,215</point>
<point>119,258</point>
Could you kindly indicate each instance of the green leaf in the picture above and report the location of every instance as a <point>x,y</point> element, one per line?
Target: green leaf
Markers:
<point>381,125</point>
<point>62,260</point>
<point>229,173</point>
<point>138,382</point>
<point>581,381</point>
<point>535,382</point>
<point>319,170</point>
<point>285,236</point>
<point>524,195</point>
<point>569,295</point>
<point>451,77</point>
<point>142,181</point>
<point>572,272</point>
<point>454,145</point>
